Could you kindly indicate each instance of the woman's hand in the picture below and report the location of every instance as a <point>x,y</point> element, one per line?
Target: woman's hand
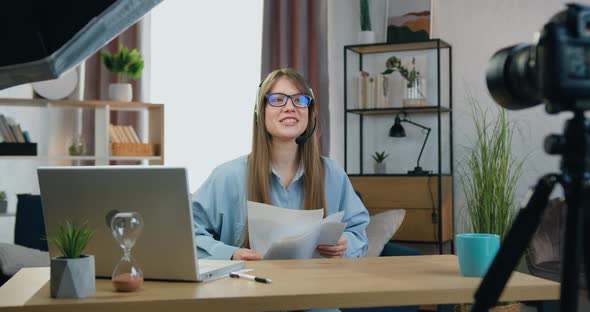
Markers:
<point>246,254</point>
<point>334,251</point>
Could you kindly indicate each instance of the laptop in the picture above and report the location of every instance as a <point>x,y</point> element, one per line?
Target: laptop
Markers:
<point>166,247</point>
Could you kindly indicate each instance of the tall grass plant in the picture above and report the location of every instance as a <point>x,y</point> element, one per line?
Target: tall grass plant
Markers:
<point>489,173</point>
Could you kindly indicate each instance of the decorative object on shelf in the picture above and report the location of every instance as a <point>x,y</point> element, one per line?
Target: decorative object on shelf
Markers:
<point>125,64</point>
<point>489,176</point>
<point>18,149</point>
<point>126,228</point>
<point>57,89</point>
<point>3,202</point>
<point>72,275</point>
<point>398,131</point>
<point>125,142</point>
<point>407,21</point>
<point>366,35</point>
<point>414,95</point>
<point>77,145</point>
<point>379,166</point>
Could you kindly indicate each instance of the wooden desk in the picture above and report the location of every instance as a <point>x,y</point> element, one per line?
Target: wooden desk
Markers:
<point>297,284</point>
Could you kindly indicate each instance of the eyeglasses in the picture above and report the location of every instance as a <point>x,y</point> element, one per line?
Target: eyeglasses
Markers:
<point>280,99</point>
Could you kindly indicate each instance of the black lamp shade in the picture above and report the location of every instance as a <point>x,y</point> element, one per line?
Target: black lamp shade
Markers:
<point>397,131</point>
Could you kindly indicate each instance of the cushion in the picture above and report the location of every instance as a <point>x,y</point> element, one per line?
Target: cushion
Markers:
<point>381,228</point>
<point>15,257</point>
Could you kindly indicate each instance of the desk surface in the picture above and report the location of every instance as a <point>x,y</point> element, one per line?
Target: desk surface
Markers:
<point>297,284</point>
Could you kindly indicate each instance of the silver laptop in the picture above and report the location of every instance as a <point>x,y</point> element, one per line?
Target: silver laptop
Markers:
<point>166,247</point>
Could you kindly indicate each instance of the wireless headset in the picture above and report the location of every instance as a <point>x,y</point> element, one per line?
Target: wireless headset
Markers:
<point>302,138</point>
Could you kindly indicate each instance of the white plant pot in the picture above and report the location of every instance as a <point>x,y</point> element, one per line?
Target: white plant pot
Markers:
<point>72,278</point>
<point>366,37</point>
<point>121,92</point>
<point>380,168</point>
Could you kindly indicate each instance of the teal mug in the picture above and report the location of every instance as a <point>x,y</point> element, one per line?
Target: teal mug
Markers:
<point>476,252</point>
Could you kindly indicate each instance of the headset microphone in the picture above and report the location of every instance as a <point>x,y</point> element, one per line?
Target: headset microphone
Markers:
<point>303,138</point>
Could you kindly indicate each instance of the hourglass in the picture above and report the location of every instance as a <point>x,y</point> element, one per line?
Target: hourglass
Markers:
<point>126,227</point>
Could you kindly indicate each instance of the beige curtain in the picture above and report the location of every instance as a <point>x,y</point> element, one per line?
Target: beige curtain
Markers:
<point>295,35</point>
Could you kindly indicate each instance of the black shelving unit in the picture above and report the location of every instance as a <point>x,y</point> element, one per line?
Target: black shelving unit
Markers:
<point>439,103</point>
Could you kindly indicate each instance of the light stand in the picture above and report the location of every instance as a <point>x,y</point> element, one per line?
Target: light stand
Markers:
<point>398,131</point>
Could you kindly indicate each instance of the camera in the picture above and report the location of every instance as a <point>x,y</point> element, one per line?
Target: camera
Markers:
<point>555,69</point>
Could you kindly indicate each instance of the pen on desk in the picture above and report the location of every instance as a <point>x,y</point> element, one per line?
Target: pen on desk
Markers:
<point>250,277</point>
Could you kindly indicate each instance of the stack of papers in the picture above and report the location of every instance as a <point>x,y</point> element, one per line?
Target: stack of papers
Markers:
<point>280,233</point>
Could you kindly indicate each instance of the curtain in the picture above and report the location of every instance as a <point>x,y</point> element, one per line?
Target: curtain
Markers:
<point>295,35</point>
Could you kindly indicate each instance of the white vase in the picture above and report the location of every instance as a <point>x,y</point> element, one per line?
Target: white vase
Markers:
<point>72,278</point>
<point>121,92</point>
<point>366,37</point>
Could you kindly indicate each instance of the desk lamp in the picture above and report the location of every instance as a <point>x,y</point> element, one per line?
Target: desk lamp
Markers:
<point>398,131</point>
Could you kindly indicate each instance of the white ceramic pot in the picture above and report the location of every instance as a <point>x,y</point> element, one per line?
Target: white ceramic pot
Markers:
<point>72,278</point>
<point>121,92</point>
<point>366,37</point>
<point>380,168</point>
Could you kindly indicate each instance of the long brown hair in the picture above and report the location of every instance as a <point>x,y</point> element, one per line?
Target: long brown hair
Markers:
<point>259,165</point>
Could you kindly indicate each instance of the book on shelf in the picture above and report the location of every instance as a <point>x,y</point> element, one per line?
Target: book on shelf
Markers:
<point>372,91</point>
<point>123,134</point>
<point>11,132</point>
<point>134,134</point>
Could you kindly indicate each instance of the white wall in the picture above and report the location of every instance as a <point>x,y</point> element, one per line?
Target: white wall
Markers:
<point>205,67</point>
<point>16,175</point>
<point>475,29</point>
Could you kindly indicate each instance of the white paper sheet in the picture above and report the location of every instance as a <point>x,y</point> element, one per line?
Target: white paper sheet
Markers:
<point>280,233</point>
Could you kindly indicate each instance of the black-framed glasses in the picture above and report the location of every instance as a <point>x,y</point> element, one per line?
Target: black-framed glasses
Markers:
<point>280,99</point>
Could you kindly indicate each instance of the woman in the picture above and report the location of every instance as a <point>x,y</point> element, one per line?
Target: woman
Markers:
<point>279,171</point>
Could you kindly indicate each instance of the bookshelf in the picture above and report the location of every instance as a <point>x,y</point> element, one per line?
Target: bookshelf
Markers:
<point>49,136</point>
<point>370,118</point>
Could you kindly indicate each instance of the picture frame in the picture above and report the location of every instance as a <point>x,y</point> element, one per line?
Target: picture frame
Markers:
<point>408,21</point>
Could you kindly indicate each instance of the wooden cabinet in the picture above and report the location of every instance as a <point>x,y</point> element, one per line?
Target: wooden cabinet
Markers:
<point>419,196</point>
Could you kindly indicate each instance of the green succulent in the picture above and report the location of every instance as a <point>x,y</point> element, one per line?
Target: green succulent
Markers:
<point>379,157</point>
<point>71,239</point>
<point>126,64</point>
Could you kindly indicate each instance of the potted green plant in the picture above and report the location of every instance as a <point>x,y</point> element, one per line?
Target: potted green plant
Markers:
<point>126,65</point>
<point>380,166</point>
<point>489,176</point>
<point>366,35</point>
<point>72,274</point>
<point>414,94</point>
<point>3,202</point>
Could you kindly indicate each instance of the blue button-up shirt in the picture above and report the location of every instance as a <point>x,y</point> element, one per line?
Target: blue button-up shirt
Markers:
<point>220,207</point>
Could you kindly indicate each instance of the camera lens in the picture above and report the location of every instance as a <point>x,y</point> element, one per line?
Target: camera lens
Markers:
<point>511,78</point>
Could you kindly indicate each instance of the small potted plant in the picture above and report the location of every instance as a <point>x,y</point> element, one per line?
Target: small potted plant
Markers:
<point>125,64</point>
<point>3,202</point>
<point>72,275</point>
<point>379,165</point>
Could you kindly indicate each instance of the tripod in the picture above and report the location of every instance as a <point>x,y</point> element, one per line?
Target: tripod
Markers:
<point>575,179</point>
